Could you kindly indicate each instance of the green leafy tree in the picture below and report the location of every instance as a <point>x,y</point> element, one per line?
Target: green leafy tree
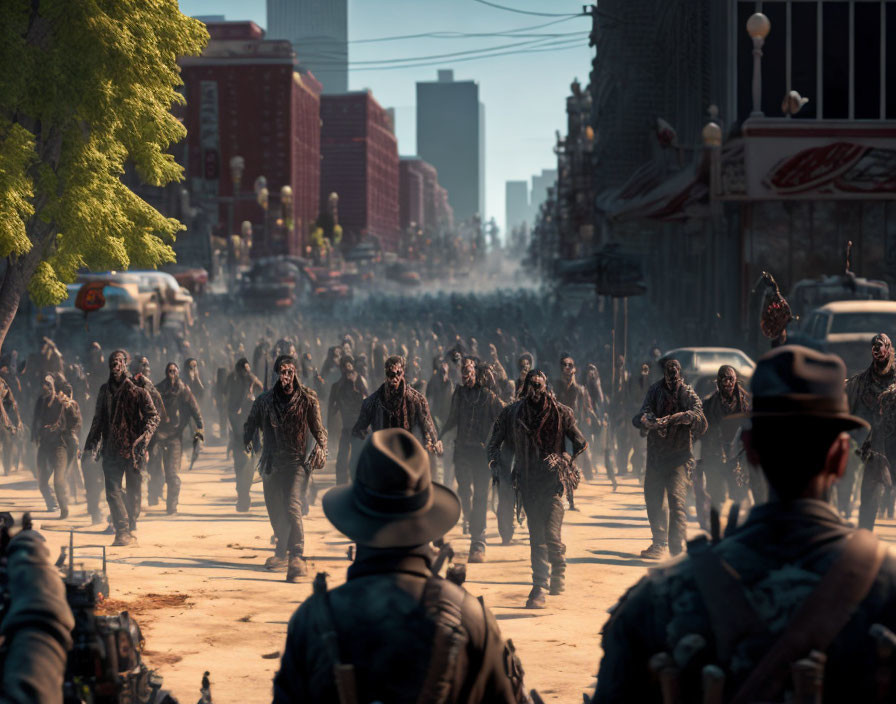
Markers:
<point>85,86</point>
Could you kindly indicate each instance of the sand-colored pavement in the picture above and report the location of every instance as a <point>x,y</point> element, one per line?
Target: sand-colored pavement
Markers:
<point>198,588</point>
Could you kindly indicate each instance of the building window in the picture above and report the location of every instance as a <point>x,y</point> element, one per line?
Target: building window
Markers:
<point>833,52</point>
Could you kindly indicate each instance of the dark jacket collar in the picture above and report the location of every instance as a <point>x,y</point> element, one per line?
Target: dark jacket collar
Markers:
<point>809,510</point>
<point>415,561</point>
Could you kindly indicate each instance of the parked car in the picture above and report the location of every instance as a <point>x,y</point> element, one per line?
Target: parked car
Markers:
<point>845,328</point>
<point>126,317</point>
<point>271,282</point>
<point>700,365</point>
<point>809,294</point>
<point>127,300</point>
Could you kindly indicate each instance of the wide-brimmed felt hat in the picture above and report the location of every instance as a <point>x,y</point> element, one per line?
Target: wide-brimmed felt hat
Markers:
<point>796,381</point>
<point>393,501</point>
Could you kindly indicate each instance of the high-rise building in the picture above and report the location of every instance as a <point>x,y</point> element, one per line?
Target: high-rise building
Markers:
<point>516,204</point>
<point>318,32</point>
<point>360,162</point>
<point>540,185</point>
<point>246,99</point>
<point>451,137</point>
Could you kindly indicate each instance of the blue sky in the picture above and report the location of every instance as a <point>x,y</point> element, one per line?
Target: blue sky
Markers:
<point>524,94</point>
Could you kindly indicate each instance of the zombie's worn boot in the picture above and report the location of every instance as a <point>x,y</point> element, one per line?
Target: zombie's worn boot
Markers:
<point>654,552</point>
<point>275,563</point>
<point>171,502</point>
<point>297,568</point>
<point>477,554</point>
<point>96,518</point>
<point>63,513</point>
<point>243,504</point>
<point>124,539</point>
<point>536,599</point>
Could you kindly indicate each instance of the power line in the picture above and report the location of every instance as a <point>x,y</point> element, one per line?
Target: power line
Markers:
<point>461,35</point>
<point>533,43</point>
<point>533,50</point>
<point>529,12</point>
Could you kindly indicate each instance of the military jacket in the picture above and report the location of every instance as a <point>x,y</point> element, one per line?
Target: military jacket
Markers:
<point>387,636</point>
<point>779,555</point>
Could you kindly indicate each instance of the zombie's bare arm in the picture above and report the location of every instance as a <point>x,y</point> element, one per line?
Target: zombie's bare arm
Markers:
<point>12,408</point>
<point>365,417</point>
<point>319,456</point>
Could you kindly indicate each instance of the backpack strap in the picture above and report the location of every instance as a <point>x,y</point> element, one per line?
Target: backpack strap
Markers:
<point>731,616</point>
<point>344,675</point>
<point>820,619</point>
<point>443,601</point>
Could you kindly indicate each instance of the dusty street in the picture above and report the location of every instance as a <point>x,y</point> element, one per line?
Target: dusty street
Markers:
<point>198,588</point>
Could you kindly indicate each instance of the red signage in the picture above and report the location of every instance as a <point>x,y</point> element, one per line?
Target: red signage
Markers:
<point>90,296</point>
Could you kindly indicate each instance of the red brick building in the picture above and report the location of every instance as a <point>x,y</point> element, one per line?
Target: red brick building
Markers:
<point>245,98</point>
<point>360,162</point>
<point>423,200</point>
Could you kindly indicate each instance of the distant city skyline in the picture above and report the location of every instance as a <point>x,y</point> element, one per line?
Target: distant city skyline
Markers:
<point>524,94</point>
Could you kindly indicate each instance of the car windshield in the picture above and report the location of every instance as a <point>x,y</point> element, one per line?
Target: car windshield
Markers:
<point>864,322</point>
<point>717,359</point>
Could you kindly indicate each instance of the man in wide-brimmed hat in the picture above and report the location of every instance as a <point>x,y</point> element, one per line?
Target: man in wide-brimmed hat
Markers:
<point>791,589</point>
<point>397,632</point>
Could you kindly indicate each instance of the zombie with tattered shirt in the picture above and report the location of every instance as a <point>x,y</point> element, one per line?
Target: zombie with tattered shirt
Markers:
<point>536,429</point>
<point>672,418</point>
<point>123,424</point>
<point>396,405</point>
<point>285,415</point>
<point>868,397</point>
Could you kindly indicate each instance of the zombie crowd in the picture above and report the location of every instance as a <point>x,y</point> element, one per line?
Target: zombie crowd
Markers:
<point>494,397</point>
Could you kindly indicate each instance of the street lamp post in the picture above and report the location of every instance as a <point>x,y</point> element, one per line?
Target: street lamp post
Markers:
<point>237,166</point>
<point>758,27</point>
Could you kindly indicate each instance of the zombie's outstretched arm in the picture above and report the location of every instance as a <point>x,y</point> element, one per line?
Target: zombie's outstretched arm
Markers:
<point>365,417</point>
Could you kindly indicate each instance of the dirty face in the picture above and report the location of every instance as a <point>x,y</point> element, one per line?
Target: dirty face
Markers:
<point>468,373</point>
<point>193,368</point>
<point>538,386</point>
<point>672,374</point>
<point>568,368</point>
<point>287,376</point>
<point>881,348</point>
<point>244,369</point>
<point>727,381</point>
<point>117,366</point>
<point>394,376</point>
<point>645,370</point>
<point>525,365</point>
<point>172,373</point>
<point>456,357</point>
<point>348,371</point>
